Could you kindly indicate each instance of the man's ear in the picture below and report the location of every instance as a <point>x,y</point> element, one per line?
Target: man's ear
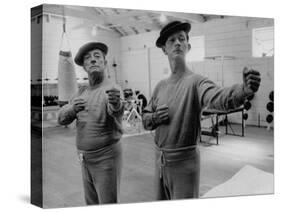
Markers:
<point>164,50</point>
<point>105,62</point>
<point>189,46</point>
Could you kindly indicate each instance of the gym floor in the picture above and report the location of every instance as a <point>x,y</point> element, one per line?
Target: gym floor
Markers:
<point>62,184</point>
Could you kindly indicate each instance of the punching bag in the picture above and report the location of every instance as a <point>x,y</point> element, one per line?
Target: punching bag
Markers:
<point>67,84</point>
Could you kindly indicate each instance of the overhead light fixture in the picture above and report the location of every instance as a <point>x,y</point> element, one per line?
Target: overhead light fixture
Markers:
<point>163,18</point>
<point>94,31</point>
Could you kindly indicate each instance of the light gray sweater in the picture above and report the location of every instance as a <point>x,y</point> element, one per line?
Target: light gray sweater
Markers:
<point>99,125</point>
<point>185,99</point>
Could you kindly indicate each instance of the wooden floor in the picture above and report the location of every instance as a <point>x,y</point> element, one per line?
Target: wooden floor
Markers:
<point>62,176</point>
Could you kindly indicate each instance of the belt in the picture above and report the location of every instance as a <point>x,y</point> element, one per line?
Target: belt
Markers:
<point>105,152</point>
<point>170,155</point>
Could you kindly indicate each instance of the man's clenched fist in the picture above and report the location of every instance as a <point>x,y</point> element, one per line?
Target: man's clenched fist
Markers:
<point>114,97</point>
<point>79,104</point>
<point>251,80</point>
<point>161,116</point>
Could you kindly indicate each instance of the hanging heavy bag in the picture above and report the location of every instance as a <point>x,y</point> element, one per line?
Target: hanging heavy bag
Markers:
<point>67,84</point>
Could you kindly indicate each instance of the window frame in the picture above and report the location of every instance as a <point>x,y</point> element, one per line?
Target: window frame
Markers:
<point>255,50</point>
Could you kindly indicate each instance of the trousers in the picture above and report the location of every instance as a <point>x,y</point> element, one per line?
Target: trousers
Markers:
<point>101,173</point>
<point>177,173</point>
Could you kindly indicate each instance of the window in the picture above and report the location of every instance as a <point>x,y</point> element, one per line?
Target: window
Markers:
<point>263,42</point>
<point>197,52</point>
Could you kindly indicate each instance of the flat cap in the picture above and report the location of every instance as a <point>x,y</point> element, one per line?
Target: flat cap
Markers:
<point>79,58</point>
<point>171,28</point>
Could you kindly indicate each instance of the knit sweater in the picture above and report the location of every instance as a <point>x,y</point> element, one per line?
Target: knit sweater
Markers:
<point>97,126</point>
<point>185,99</point>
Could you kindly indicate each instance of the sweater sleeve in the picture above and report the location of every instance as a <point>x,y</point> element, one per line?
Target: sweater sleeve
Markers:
<point>148,119</point>
<point>215,97</point>
<point>66,115</point>
<point>116,112</point>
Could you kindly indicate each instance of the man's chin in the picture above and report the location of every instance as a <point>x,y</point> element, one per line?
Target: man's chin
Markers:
<point>179,56</point>
<point>94,70</point>
<point>96,74</point>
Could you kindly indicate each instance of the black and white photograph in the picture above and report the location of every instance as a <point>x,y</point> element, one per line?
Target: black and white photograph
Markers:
<point>134,106</point>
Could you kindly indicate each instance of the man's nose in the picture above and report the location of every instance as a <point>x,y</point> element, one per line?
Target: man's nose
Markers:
<point>93,60</point>
<point>177,42</point>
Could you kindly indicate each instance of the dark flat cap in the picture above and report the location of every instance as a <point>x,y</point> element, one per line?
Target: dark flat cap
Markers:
<point>170,29</point>
<point>79,58</point>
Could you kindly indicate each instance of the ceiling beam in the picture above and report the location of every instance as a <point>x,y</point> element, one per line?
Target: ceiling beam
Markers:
<point>137,24</point>
<point>77,12</point>
<point>194,18</point>
<point>124,16</point>
<point>118,31</point>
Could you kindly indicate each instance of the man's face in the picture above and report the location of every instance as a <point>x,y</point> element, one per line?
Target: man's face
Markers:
<point>176,45</point>
<point>94,62</point>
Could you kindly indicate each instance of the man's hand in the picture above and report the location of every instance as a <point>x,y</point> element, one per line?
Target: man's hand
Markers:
<point>251,81</point>
<point>114,97</point>
<point>79,104</point>
<point>161,115</point>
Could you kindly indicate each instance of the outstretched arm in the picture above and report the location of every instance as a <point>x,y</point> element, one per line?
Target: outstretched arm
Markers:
<point>232,97</point>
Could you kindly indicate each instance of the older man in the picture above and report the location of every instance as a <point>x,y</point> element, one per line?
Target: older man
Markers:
<point>175,111</point>
<point>98,112</point>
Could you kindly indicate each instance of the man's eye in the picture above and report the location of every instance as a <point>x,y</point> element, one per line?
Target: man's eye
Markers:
<point>181,39</point>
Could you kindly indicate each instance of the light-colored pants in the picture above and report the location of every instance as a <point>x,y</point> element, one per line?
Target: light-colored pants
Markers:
<point>177,174</point>
<point>101,172</point>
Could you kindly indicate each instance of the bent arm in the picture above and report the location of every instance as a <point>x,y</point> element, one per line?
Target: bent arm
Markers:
<point>148,120</point>
<point>115,112</point>
<point>118,110</point>
<point>66,115</point>
<point>148,116</point>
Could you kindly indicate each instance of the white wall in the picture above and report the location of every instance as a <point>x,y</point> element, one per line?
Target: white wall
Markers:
<point>77,35</point>
<point>229,37</point>
<point>143,65</point>
<point>151,65</point>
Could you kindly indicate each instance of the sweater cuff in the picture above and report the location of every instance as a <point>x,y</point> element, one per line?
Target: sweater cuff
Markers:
<point>113,109</point>
<point>241,95</point>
